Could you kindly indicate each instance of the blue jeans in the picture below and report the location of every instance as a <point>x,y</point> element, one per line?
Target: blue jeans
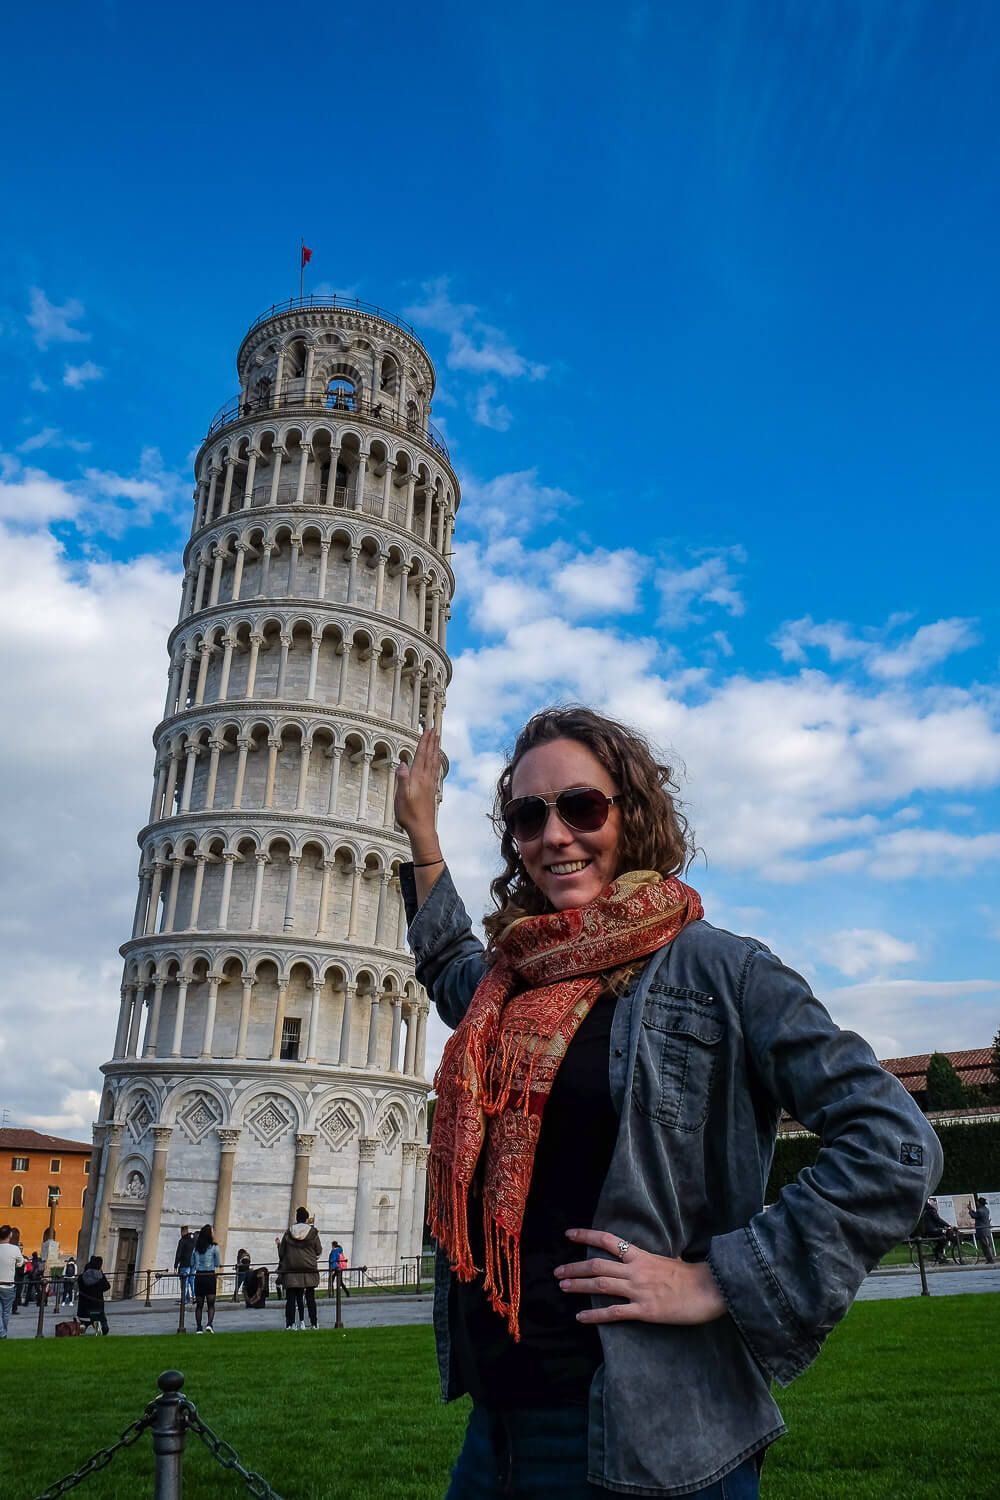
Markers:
<point>6,1303</point>
<point>542,1455</point>
<point>185,1275</point>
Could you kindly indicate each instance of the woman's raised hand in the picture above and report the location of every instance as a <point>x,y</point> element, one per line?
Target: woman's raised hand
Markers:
<point>416,797</point>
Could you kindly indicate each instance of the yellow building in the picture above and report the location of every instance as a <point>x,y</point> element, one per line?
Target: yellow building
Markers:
<point>31,1166</point>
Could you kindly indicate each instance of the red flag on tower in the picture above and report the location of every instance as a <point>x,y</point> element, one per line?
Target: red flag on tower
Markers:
<point>307,256</point>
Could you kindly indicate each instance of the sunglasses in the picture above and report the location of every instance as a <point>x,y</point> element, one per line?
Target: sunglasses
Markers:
<point>582,808</point>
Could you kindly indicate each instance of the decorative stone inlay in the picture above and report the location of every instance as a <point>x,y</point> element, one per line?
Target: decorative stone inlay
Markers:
<point>390,1130</point>
<point>269,1121</point>
<point>341,1125</point>
<point>198,1117</point>
<point>139,1118</point>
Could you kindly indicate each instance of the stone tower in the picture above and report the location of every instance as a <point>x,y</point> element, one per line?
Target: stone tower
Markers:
<point>270,1043</point>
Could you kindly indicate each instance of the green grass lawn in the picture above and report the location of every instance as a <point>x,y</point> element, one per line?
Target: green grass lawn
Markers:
<point>901,1404</point>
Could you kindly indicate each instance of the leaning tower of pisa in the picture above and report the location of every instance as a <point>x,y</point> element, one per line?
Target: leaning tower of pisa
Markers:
<point>270,1042</point>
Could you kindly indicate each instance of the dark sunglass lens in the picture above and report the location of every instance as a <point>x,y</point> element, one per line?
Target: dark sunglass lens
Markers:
<point>526,818</point>
<point>584,809</point>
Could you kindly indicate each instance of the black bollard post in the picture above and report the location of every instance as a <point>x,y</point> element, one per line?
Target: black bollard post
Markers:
<point>169,1432</point>
<point>925,1290</point>
<point>182,1309</point>
<point>149,1282</point>
<point>338,1321</point>
<point>40,1329</point>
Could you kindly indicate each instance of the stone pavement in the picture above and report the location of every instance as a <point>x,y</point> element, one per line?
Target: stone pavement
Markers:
<point>941,1281</point>
<point>393,1311</point>
<point>233,1317</point>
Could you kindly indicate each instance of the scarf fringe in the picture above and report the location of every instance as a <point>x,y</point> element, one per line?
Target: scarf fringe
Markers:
<point>502,1277</point>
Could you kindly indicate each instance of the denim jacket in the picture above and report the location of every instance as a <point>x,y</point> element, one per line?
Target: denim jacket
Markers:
<point>708,1044</point>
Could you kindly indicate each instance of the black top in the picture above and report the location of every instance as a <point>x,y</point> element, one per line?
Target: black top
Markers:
<point>554,1362</point>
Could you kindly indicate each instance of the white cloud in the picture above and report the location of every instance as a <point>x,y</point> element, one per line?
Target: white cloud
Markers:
<point>926,647</point>
<point>901,1017</point>
<point>51,437</point>
<point>77,376</point>
<point>30,497</point>
<point>37,384</point>
<point>601,582</point>
<point>488,412</point>
<point>100,502</point>
<point>684,592</point>
<point>866,950</point>
<point>931,851</point>
<point>473,345</point>
<point>84,678</point>
<point>509,503</point>
<point>53,324</point>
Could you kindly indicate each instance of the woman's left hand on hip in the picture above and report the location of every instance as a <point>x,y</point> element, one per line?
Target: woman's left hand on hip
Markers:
<point>653,1288</point>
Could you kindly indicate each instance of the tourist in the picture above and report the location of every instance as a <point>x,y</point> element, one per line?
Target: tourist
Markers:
<point>33,1279</point>
<point>182,1263</point>
<point>90,1300</point>
<point>20,1273</point>
<point>298,1265</point>
<point>242,1271</point>
<point>11,1260</point>
<point>936,1229</point>
<point>979,1210</point>
<point>205,1265</point>
<point>338,1265</point>
<point>605,1122</point>
<point>69,1280</point>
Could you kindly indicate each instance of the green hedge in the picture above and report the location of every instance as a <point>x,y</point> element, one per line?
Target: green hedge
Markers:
<point>971,1159</point>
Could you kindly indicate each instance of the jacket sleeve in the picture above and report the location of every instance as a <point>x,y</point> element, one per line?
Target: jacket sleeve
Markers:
<point>450,959</point>
<point>793,1271</point>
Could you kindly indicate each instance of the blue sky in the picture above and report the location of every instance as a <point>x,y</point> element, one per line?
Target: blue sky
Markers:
<point>711,292</point>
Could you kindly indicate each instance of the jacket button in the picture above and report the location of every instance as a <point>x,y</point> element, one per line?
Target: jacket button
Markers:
<point>619,1052</point>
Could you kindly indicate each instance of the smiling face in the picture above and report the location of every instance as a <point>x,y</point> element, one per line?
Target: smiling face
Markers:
<point>569,868</point>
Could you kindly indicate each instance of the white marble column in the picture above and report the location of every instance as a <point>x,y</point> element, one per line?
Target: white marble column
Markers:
<point>363,1202</point>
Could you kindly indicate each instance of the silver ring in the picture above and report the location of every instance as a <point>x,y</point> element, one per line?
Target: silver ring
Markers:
<point>623,1248</point>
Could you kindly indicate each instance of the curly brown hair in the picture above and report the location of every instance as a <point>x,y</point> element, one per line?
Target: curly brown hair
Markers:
<point>655,833</point>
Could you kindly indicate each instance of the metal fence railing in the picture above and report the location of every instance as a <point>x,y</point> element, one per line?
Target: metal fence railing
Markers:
<point>381,412</point>
<point>57,1296</point>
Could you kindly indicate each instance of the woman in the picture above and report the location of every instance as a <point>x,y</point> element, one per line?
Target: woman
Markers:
<point>607,1107</point>
<point>90,1300</point>
<point>205,1264</point>
<point>298,1265</point>
<point>242,1272</point>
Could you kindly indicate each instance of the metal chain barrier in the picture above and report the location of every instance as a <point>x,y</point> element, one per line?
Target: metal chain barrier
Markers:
<point>103,1456</point>
<point>225,1454</point>
<point>170,1417</point>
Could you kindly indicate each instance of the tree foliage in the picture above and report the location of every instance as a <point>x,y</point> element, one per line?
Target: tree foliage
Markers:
<point>945,1089</point>
<point>971,1158</point>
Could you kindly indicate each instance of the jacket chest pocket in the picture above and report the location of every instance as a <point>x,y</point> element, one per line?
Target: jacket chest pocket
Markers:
<point>677,1057</point>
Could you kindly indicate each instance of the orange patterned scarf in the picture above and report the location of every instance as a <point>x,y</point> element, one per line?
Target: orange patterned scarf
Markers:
<point>498,1068</point>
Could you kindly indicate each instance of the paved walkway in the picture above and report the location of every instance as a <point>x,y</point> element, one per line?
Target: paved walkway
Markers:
<point>941,1281</point>
<point>233,1317</point>
<point>397,1311</point>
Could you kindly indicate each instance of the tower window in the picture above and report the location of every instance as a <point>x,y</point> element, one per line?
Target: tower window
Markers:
<point>340,395</point>
<point>290,1031</point>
